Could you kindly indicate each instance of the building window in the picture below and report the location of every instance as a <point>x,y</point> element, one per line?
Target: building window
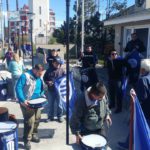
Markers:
<point>40,23</point>
<point>40,10</point>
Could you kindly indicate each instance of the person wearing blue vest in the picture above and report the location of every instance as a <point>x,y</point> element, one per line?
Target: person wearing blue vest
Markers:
<point>30,87</point>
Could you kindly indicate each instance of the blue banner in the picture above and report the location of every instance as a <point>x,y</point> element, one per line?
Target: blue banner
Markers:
<point>60,84</point>
<point>141,129</point>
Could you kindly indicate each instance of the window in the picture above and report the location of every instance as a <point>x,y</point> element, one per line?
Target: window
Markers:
<point>40,10</point>
<point>40,23</point>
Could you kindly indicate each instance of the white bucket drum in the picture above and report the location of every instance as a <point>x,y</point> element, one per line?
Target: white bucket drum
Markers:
<point>93,142</point>
<point>37,103</point>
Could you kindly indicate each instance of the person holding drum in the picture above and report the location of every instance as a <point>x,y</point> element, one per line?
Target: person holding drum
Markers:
<point>29,88</point>
<point>50,76</point>
<point>90,112</point>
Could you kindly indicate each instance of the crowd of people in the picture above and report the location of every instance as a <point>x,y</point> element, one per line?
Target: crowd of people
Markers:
<point>93,107</point>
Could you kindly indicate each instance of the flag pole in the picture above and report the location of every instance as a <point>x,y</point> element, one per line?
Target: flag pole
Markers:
<point>131,123</point>
<point>67,70</point>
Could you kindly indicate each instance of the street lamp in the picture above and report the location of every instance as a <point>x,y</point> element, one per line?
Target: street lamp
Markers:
<point>18,36</point>
<point>67,70</point>
<point>22,25</point>
<point>31,15</point>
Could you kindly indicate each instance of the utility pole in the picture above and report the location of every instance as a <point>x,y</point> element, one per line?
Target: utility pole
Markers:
<point>1,24</point>
<point>82,38</point>
<point>7,6</point>
<point>98,6</point>
<point>17,6</point>
<point>76,40</point>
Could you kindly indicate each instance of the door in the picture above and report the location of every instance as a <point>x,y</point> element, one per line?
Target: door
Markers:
<point>142,34</point>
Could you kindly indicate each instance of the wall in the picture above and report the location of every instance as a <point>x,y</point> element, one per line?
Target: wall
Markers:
<point>117,37</point>
<point>147,4</point>
<point>44,16</point>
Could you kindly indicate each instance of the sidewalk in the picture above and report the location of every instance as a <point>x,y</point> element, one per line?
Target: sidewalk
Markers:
<point>53,134</point>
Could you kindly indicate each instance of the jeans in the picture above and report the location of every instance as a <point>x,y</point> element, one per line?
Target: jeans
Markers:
<point>115,93</point>
<point>53,97</point>
<point>15,79</point>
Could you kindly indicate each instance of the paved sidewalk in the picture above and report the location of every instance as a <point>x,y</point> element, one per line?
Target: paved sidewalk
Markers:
<point>53,134</point>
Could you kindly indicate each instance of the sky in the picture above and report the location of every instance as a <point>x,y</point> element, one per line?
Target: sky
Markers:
<point>59,7</point>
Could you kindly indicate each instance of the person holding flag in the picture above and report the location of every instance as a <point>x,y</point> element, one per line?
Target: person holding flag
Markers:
<point>86,117</point>
<point>50,76</point>
<point>143,88</point>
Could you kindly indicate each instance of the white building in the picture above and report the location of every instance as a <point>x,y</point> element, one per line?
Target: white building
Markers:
<point>41,18</point>
<point>52,21</point>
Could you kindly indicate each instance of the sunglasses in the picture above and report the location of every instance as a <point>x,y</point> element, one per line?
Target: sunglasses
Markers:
<point>114,54</point>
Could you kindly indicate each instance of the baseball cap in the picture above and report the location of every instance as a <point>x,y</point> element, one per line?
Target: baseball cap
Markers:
<point>58,60</point>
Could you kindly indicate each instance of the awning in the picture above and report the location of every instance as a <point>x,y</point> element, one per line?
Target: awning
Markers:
<point>142,16</point>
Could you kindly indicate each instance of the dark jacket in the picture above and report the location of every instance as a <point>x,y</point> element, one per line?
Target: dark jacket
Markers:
<point>90,118</point>
<point>89,59</point>
<point>143,94</point>
<point>52,74</point>
<point>116,69</point>
<point>136,44</point>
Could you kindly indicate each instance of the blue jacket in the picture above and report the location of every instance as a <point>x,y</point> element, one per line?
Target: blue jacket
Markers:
<point>22,83</point>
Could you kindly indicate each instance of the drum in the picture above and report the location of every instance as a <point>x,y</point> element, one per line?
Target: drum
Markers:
<point>37,103</point>
<point>93,142</point>
<point>8,135</point>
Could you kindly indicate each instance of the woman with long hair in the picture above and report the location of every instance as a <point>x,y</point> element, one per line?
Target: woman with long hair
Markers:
<point>16,68</point>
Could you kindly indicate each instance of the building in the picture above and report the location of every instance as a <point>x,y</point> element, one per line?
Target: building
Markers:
<point>134,19</point>
<point>22,26</point>
<point>41,18</point>
<point>51,21</point>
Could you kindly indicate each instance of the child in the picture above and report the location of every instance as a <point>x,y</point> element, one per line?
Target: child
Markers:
<point>90,112</point>
<point>50,76</point>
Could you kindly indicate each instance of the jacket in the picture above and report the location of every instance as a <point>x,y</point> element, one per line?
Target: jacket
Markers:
<point>52,74</point>
<point>143,94</point>
<point>91,118</point>
<point>29,87</point>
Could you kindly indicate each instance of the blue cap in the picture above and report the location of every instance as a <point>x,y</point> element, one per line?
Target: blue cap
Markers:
<point>58,60</point>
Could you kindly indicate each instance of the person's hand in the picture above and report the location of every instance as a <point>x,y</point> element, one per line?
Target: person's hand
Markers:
<point>50,83</point>
<point>78,138</point>
<point>133,94</point>
<point>108,120</point>
<point>25,104</point>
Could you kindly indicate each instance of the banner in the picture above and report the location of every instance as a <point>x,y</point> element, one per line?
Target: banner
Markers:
<point>60,84</point>
<point>141,128</point>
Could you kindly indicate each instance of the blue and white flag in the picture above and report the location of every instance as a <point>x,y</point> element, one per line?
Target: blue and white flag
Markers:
<point>141,129</point>
<point>60,84</point>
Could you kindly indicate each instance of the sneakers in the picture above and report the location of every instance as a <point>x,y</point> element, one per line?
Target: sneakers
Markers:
<point>49,119</point>
<point>27,145</point>
<point>123,146</point>
<point>60,119</point>
<point>35,139</point>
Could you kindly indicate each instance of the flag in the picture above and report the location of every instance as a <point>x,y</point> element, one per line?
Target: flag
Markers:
<point>124,86</point>
<point>61,87</point>
<point>141,128</point>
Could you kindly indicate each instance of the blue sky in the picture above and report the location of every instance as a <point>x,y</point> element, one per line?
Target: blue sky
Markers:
<point>59,7</point>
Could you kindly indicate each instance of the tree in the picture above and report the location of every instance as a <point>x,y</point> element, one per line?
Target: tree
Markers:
<point>117,6</point>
